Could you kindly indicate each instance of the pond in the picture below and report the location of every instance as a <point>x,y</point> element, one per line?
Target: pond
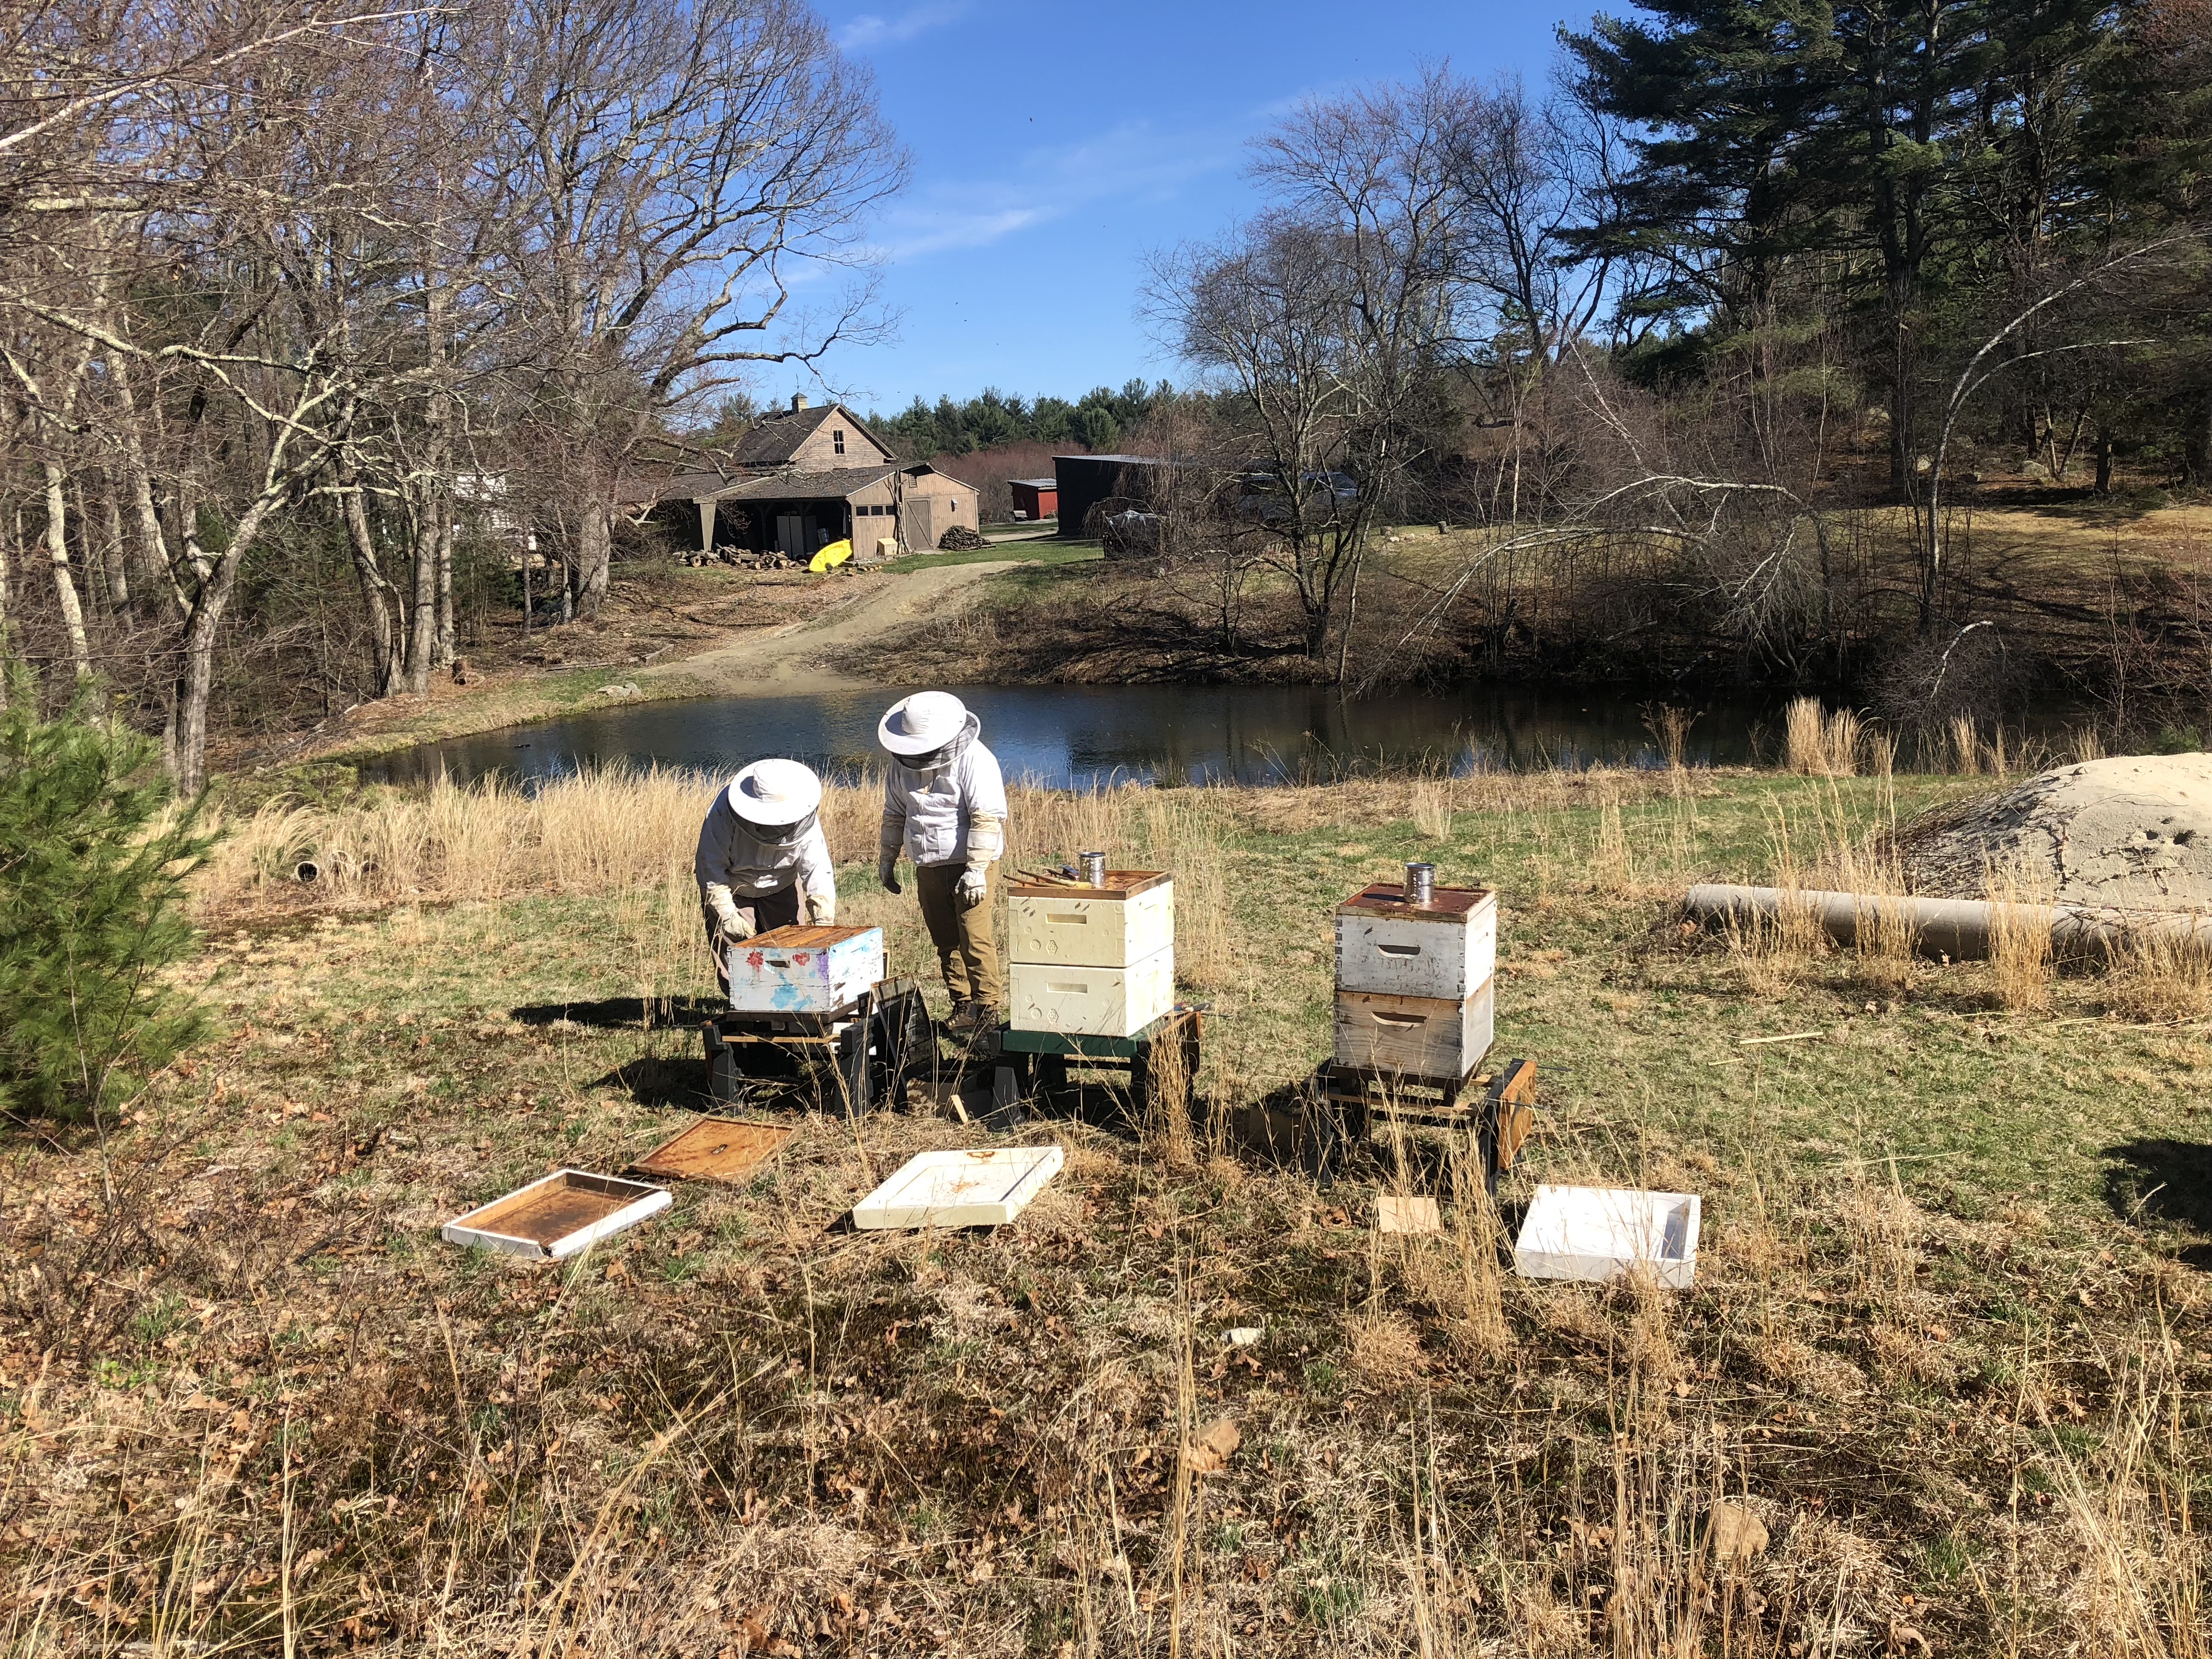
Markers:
<point>1065,735</point>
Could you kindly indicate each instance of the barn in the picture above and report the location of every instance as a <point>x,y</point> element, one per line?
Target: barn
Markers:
<point>1034,498</point>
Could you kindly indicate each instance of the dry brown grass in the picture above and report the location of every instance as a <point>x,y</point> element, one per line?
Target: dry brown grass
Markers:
<point>261,1398</point>
<point>1820,744</point>
<point>2021,967</point>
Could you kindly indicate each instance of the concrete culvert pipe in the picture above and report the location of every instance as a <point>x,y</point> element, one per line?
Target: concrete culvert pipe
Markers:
<point>1957,929</point>
<point>307,869</point>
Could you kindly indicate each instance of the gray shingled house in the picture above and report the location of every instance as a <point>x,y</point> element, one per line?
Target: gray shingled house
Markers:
<point>804,478</point>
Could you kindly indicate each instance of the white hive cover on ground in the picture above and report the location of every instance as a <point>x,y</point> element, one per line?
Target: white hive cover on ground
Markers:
<point>983,1188</point>
<point>1598,1233</point>
<point>2132,830</point>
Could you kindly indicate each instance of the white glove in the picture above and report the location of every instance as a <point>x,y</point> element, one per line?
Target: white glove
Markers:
<point>887,873</point>
<point>974,883</point>
<point>732,921</point>
<point>821,909</point>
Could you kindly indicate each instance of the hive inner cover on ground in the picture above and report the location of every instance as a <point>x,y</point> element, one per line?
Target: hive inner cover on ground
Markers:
<point>715,1149</point>
<point>960,1189</point>
<point>558,1214</point>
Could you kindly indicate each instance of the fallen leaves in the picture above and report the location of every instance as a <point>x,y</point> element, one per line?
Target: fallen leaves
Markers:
<point>1210,1452</point>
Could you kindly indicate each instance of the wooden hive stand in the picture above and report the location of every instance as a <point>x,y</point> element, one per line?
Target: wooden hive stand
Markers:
<point>1500,1120</point>
<point>1040,1061</point>
<point>861,1054</point>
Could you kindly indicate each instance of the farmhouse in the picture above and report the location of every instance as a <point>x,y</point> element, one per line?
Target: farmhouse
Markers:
<point>804,478</point>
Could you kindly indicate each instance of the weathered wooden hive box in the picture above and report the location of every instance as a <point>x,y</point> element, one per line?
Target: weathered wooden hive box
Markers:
<point>1416,985</point>
<point>1091,961</point>
<point>804,970</point>
<point>1130,919</point>
<point>1446,948</point>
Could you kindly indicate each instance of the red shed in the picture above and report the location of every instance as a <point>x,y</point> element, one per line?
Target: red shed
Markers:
<point>1039,498</point>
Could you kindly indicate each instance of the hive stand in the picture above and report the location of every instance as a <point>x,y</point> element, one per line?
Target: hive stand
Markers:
<point>1039,1060</point>
<point>1500,1121</point>
<point>886,1037</point>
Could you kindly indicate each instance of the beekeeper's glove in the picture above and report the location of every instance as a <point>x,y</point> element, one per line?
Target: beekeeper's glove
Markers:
<point>887,873</point>
<point>974,884</point>
<point>821,909</point>
<point>729,921</point>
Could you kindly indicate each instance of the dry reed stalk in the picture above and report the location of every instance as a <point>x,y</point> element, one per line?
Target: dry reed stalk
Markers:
<point>1804,738</point>
<point>1817,743</point>
<point>1180,835</point>
<point>1965,746</point>
<point>2087,744</point>
<point>1478,1236</point>
<point>2020,965</point>
<point>1432,808</point>
<point>1612,866</point>
<point>2153,979</point>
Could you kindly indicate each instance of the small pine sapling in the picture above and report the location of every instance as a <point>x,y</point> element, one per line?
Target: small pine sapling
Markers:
<point>93,856</point>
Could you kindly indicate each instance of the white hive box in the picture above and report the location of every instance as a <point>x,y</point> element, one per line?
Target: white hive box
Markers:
<point>956,1188</point>
<point>558,1216</point>
<point>1598,1233</point>
<point>1445,949</point>
<point>1074,1000</point>
<point>1127,920</point>
<point>1430,1037</point>
<point>804,970</point>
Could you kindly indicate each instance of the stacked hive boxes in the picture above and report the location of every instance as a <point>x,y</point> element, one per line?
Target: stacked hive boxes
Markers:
<point>1416,986</point>
<point>1091,961</point>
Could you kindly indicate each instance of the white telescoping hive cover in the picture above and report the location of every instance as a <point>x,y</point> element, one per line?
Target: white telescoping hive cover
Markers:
<point>1598,1233</point>
<point>983,1188</point>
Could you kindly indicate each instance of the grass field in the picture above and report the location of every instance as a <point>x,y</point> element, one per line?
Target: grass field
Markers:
<point>1949,1344</point>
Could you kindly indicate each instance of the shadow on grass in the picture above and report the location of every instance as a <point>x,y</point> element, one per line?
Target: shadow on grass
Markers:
<point>652,1081</point>
<point>2165,1182</point>
<point>618,1013</point>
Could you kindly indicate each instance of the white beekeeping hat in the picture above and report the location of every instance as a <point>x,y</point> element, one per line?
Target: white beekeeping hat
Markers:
<point>922,723</point>
<point>776,794</point>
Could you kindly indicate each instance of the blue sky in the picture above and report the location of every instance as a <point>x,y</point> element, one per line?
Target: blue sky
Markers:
<point>1054,145</point>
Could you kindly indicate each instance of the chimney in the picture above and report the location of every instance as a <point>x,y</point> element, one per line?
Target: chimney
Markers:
<point>798,401</point>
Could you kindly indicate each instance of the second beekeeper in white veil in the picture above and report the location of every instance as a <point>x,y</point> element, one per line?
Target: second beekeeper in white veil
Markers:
<point>945,806</point>
<point>763,862</point>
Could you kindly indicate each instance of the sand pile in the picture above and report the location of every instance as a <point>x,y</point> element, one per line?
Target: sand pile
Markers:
<point>2135,831</point>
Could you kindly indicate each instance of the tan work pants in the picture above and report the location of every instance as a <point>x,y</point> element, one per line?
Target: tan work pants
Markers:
<point>769,910</point>
<point>966,941</point>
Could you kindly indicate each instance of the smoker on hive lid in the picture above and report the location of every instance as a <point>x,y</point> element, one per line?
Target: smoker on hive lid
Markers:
<point>762,861</point>
<point>1415,979</point>
<point>1093,957</point>
<point>945,806</point>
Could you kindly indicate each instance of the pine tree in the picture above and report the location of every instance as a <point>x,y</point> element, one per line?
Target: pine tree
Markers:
<point>93,861</point>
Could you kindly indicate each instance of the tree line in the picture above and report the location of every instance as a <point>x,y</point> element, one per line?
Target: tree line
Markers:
<point>288,285</point>
<point>1747,284</point>
<point>314,318</point>
<point>1099,423</point>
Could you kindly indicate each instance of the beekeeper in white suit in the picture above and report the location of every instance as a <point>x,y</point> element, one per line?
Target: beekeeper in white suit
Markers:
<point>763,862</point>
<point>945,806</point>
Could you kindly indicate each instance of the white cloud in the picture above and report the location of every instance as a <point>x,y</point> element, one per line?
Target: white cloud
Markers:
<point>872,29</point>
<point>1132,162</point>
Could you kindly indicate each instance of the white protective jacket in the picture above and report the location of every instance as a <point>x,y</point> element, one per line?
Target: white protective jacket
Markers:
<point>730,856</point>
<point>935,814</point>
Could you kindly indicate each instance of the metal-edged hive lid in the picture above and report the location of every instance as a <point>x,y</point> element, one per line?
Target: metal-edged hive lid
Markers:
<point>1120,884</point>
<point>557,1215</point>
<point>1388,898</point>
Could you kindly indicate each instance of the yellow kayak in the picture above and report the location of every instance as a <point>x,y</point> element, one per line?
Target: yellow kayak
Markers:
<point>830,557</point>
